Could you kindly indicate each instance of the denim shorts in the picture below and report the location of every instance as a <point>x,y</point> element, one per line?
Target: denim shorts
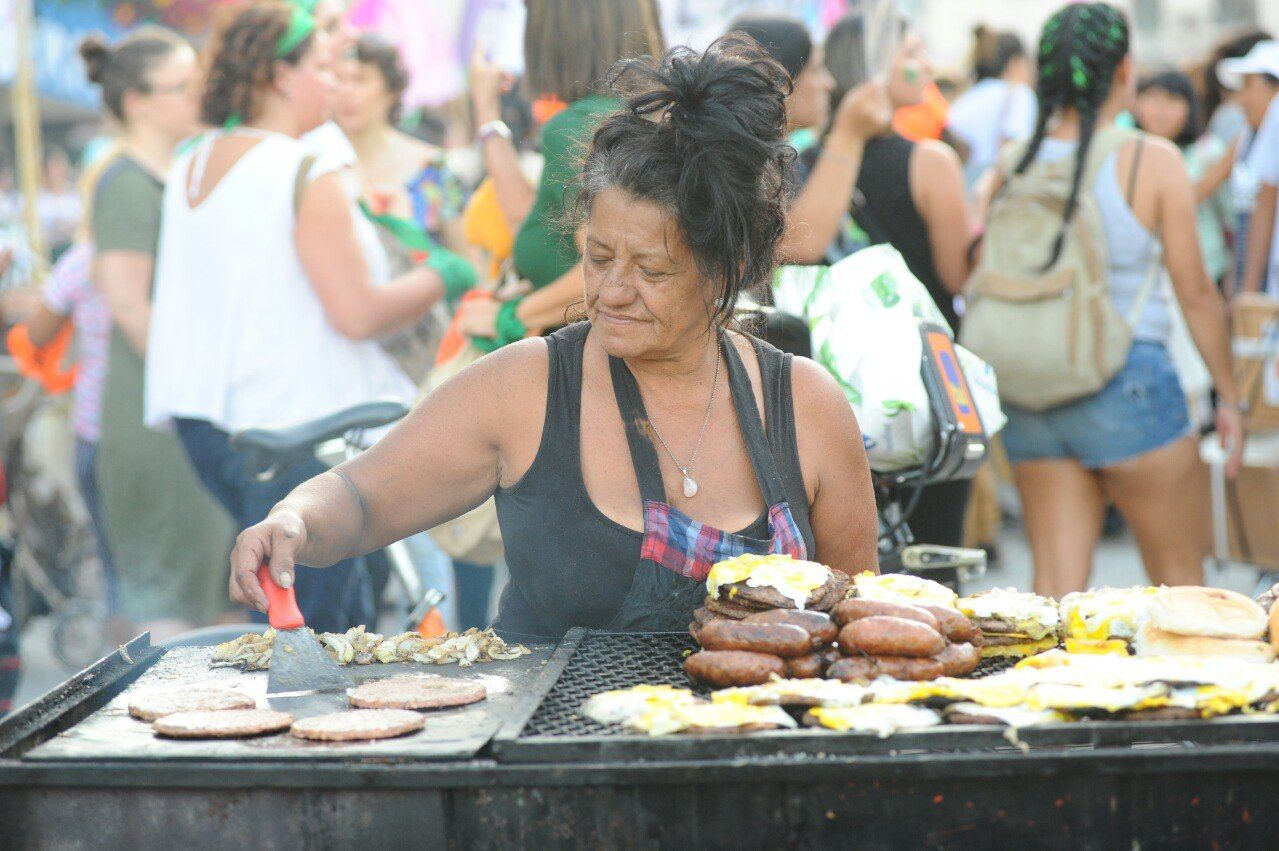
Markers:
<point>1140,410</point>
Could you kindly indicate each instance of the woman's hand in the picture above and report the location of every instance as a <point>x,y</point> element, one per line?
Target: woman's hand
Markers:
<point>863,114</point>
<point>1231,433</point>
<point>488,84</point>
<point>276,540</point>
<point>478,317</point>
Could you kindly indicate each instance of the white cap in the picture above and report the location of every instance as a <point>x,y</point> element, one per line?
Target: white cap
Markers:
<point>1262,59</point>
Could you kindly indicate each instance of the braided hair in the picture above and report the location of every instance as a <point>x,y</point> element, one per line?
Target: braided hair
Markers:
<point>1079,50</point>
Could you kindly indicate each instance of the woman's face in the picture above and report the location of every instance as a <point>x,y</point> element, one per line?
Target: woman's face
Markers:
<point>1254,98</point>
<point>362,98</point>
<point>171,103</point>
<point>809,102</point>
<point>644,295</point>
<point>308,86</point>
<point>1161,112</point>
<point>910,72</point>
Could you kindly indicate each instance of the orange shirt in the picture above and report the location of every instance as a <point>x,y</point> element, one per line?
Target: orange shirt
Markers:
<point>925,120</point>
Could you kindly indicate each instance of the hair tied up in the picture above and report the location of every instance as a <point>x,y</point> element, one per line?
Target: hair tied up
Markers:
<point>95,52</point>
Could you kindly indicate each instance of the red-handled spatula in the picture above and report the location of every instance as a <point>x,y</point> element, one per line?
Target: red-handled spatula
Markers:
<point>298,662</point>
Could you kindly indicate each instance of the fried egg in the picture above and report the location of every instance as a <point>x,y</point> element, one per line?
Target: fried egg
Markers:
<point>615,707</point>
<point>901,588</point>
<point>793,579</point>
<point>663,720</point>
<point>879,718</point>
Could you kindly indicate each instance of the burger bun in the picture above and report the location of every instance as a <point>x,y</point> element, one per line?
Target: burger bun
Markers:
<point>1192,610</point>
<point>1153,641</point>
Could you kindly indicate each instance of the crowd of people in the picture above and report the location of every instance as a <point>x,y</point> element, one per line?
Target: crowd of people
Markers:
<point>262,244</point>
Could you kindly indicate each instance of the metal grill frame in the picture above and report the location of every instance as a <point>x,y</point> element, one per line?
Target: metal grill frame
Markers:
<point>541,730</point>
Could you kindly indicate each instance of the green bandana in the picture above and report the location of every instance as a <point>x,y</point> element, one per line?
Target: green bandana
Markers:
<point>301,25</point>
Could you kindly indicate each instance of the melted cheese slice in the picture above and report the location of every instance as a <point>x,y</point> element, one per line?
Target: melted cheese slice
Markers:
<point>793,579</point>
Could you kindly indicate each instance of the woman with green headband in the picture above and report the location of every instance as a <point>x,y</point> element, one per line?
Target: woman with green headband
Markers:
<point>1130,443</point>
<point>266,311</point>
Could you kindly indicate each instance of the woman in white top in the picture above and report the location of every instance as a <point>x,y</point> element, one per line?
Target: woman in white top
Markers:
<point>1000,107</point>
<point>265,310</point>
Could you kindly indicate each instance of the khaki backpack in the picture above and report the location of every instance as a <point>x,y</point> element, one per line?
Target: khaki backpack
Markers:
<point>1052,335</point>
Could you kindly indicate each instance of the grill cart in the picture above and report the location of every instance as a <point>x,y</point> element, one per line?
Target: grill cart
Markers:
<point>524,769</point>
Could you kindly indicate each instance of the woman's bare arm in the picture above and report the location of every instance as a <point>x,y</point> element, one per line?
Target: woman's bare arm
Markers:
<point>1200,300</point>
<point>44,324</point>
<point>335,265</point>
<point>124,277</point>
<point>937,185</point>
<point>448,456</point>
<point>842,512</point>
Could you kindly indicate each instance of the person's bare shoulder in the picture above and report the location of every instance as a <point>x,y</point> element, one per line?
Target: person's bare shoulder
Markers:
<point>937,156</point>
<point>818,398</point>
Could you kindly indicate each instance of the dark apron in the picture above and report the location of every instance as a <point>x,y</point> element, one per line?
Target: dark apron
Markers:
<point>678,552</point>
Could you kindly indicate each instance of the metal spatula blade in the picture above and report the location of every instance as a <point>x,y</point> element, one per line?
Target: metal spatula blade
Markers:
<point>298,662</point>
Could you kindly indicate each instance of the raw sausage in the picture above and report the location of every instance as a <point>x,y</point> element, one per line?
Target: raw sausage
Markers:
<point>855,609</point>
<point>955,625</point>
<point>805,667</point>
<point>779,639</point>
<point>724,668</point>
<point>818,624</point>
<point>884,635</point>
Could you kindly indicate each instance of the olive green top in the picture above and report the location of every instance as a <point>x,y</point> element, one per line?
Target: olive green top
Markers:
<point>543,250</point>
<point>170,539</point>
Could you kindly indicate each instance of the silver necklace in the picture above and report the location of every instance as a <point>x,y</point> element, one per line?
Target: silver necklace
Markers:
<point>690,486</point>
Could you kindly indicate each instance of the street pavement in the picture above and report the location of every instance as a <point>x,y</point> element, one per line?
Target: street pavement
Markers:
<point>1117,564</point>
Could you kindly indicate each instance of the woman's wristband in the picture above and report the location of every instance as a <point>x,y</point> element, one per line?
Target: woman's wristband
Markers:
<point>455,270</point>
<point>509,327</point>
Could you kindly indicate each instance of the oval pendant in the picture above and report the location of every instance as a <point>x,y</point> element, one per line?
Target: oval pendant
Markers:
<point>690,488</point>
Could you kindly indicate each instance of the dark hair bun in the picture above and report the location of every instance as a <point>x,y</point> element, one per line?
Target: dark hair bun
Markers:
<point>95,52</point>
<point>704,135</point>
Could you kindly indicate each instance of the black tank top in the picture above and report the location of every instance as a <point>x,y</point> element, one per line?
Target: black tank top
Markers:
<point>570,565</point>
<point>884,208</point>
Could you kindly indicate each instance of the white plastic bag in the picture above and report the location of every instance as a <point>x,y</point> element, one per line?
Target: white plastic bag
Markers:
<point>863,315</point>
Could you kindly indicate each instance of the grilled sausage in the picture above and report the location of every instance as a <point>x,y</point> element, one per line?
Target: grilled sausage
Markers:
<point>884,635</point>
<point>855,609</point>
<point>725,668</point>
<point>818,624</point>
<point>909,668</point>
<point>959,659</point>
<point>805,667</point>
<point>855,669</point>
<point>955,625</point>
<point>779,639</point>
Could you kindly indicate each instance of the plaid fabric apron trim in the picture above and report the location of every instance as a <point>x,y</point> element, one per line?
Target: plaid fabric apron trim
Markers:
<point>679,543</point>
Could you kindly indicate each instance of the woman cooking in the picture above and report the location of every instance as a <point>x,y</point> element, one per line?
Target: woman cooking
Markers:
<point>620,447</point>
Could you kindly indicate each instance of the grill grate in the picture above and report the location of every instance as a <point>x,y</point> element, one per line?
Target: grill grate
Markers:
<point>605,661</point>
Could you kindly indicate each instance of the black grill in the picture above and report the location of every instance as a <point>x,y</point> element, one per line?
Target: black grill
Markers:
<point>604,661</point>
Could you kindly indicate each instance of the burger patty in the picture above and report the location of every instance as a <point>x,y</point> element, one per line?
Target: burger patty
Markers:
<point>149,707</point>
<point>359,725</point>
<point>728,609</point>
<point>222,723</point>
<point>408,692</point>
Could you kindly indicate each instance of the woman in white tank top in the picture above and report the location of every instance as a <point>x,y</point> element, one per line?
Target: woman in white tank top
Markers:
<point>265,310</point>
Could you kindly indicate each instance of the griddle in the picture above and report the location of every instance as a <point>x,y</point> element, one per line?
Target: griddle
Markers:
<point>1069,797</point>
<point>110,733</point>
<point>547,727</point>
